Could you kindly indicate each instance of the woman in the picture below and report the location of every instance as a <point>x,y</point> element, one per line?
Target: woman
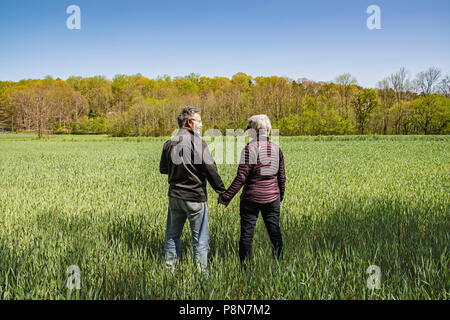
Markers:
<point>261,172</point>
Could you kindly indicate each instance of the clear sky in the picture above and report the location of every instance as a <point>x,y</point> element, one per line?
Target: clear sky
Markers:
<point>314,39</point>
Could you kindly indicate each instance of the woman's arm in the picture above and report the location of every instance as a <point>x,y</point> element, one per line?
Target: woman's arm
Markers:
<point>244,169</point>
<point>281,176</point>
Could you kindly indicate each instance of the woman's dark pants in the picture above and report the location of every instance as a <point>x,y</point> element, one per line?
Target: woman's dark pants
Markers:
<point>271,216</point>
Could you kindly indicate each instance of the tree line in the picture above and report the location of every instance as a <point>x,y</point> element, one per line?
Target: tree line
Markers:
<point>138,106</point>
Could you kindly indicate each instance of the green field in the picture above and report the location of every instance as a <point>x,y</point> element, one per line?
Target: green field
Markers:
<point>101,204</point>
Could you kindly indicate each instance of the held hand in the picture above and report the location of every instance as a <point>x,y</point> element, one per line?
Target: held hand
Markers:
<point>219,200</point>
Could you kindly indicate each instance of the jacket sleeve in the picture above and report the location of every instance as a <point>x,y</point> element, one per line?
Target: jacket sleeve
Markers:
<point>163,163</point>
<point>243,172</point>
<point>210,169</point>
<point>281,176</point>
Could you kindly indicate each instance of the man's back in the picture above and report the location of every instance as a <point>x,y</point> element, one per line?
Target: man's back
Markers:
<point>187,161</point>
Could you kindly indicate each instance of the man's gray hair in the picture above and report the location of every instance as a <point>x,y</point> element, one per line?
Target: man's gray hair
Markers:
<point>186,114</point>
<point>261,124</point>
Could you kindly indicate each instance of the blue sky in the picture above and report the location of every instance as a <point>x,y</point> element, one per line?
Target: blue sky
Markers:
<point>314,39</point>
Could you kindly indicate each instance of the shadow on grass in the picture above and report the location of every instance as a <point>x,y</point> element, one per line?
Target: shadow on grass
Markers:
<point>392,234</point>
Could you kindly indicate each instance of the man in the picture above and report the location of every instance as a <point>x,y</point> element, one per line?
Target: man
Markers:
<point>188,162</point>
<point>261,172</point>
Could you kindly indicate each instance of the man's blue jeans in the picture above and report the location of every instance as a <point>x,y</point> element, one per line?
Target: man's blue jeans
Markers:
<point>197,214</point>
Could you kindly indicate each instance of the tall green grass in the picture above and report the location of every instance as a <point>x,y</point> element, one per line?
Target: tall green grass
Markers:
<point>100,203</point>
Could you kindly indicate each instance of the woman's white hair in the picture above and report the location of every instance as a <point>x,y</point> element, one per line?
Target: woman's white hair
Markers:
<point>261,124</point>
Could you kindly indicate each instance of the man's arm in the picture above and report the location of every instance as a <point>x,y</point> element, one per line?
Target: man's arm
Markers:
<point>281,176</point>
<point>163,163</point>
<point>210,169</point>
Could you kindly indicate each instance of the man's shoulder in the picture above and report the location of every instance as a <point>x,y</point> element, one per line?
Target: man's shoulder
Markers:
<point>197,141</point>
<point>167,144</point>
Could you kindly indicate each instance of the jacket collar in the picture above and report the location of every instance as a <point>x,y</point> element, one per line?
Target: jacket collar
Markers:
<point>185,131</point>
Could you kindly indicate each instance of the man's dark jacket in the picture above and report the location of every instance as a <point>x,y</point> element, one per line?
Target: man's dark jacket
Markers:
<point>188,162</point>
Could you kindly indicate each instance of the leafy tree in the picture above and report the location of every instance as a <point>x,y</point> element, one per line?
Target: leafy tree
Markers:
<point>431,113</point>
<point>363,105</point>
<point>346,85</point>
